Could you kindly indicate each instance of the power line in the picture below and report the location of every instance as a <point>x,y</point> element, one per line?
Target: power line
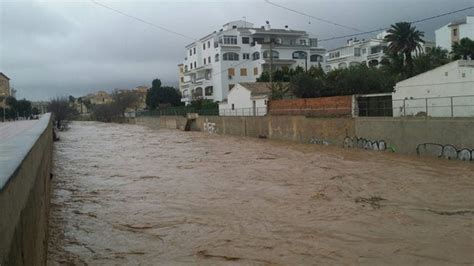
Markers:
<point>412,22</point>
<point>144,21</point>
<point>311,16</point>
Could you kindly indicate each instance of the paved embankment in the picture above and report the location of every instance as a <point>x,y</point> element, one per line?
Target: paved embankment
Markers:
<point>127,194</point>
<point>25,167</point>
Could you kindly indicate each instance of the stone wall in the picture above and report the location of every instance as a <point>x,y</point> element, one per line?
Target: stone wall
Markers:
<point>25,168</point>
<point>323,106</point>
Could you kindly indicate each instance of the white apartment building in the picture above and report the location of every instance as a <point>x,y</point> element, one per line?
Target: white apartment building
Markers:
<point>240,52</point>
<point>454,32</point>
<point>368,52</point>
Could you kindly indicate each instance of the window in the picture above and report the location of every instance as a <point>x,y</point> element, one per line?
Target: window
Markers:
<point>191,66</point>
<point>364,51</point>
<point>216,58</point>
<point>194,64</point>
<point>356,51</point>
<point>208,44</point>
<point>376,49</point>
<point>335,54</point>
<point>186,68</point>
<point>299,55</point>
<point>463,75</point>
<point>258,40</point>
<point>198,92</point>
<point>313,42</point>
<point>204,61</point>
<point>204,46</point>
<point>265,102</point>
<point>316,58</point>
<point>230,88</point>
<point>231,72</point>
<point>233,107</point>
<point>194,50</point>
<point>208,91</point>
<point>455,32</point>
<point>292,42</point>
<point>228,39</point>
<point>255,71</point>
<point>256,56</point>
<point>208,59</point>
<point>275,54</point>
<point>190,52</point>
<point>245,56</point>
<point>243,72</point>
<point>230,57</point>
<point>216,44</point>
<point>182,79</point>
<point>245,40</point>
<point>303,42</point>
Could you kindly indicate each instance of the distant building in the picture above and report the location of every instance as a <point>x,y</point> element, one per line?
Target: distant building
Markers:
<point>181,78</point>
<point>446,91</point>
<point>369,52</point>
<point>240,52</point>
<point>247,99</point>
<point>42,106</point>
<point>100,97</point>
<point>454,32</point>
<point>141,92</point>
<point>4,85</point>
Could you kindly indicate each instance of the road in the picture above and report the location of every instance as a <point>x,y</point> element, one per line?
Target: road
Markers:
<point>125,194</point>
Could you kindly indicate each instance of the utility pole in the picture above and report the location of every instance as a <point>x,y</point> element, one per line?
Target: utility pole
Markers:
<point>271,61</point>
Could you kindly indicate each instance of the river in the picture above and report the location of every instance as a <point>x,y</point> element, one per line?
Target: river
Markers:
<point>127,194</point>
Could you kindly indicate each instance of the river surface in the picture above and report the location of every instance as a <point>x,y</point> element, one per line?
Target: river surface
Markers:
<point>126,194</point>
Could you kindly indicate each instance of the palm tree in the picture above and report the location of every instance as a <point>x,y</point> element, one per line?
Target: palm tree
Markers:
<point>403,38</point>
<point>463,49</point>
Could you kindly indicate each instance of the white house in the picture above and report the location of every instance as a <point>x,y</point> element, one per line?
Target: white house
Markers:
<point>446,91</point>
<point>368,52</point>
<point>240,52</point>
<point>454,32</point>
<point>246,99</point>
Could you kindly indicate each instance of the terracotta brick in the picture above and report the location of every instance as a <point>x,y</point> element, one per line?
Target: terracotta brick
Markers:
<point>323,106</point>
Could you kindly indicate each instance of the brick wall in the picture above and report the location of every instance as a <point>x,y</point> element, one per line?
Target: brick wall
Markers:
<point>324,106</point>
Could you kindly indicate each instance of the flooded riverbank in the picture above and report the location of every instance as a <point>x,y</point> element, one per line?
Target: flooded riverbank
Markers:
<point>125,194</point>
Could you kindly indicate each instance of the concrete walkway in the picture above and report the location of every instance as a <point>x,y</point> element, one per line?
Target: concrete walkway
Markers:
<point>10,129</point>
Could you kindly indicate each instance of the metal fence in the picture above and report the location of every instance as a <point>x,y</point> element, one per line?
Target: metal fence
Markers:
<point>259,111</point>
<point>454,106</point>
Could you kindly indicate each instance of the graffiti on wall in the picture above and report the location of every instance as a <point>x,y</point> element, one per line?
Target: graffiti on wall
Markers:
<point>210,127</point>
<point>447,151</point>
<point>315,140</point>
<point>367,144</point>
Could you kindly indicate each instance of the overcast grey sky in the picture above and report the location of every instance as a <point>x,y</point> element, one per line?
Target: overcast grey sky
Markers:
<point>56,48</point>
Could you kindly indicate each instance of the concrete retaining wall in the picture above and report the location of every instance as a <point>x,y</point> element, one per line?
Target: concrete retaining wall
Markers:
<point>448,138</point>
<point>406,134</point>
<point>25,168</point>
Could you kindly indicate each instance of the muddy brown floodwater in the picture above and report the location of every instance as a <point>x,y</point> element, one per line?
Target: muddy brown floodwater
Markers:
<point>126,194</point>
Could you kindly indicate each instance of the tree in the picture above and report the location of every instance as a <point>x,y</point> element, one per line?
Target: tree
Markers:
<point>279,90</point>
<point>404,39</point>
<point>304,86</point>
<point>61,110</point>
<point>124,99</point>
<point>463,49</point>
<point>434,58</point>
<point>23,108</point>
<point>157,95</point>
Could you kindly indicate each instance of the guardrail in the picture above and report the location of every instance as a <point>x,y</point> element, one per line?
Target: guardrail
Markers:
<point>177,112</point>
<point>259,111</point>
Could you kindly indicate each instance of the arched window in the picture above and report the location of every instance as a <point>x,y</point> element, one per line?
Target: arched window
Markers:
<point>342,65</point>
<point>216,58</point>
<point>256,56</point>
<point>299,55</point>
<point>208,91</point>
<point>373,63</point>
<point>354,63</point>
<point>316,58</point>
<point>230,57</point>
<point>198,92</point>
<point>185,93</point>
<point>275,54</point>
